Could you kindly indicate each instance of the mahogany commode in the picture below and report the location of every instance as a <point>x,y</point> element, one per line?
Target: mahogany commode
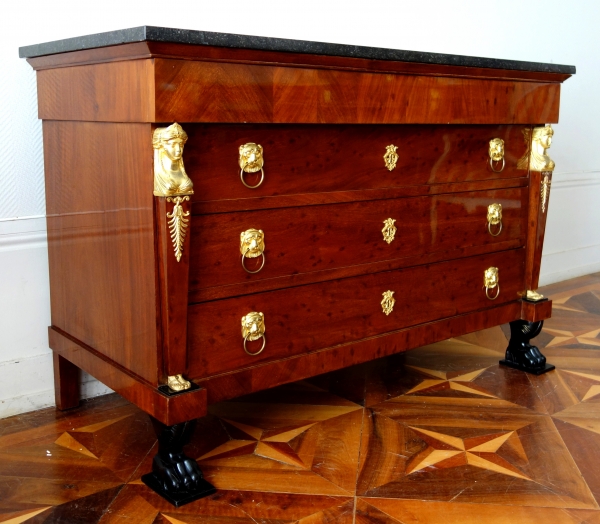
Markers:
<point>229,213</point>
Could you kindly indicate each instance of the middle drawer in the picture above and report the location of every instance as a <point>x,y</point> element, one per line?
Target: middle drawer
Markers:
<point>316,238</point>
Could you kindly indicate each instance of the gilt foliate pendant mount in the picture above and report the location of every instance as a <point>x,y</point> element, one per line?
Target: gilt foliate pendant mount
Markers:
<point>545,191</point>
<point>178,224</point>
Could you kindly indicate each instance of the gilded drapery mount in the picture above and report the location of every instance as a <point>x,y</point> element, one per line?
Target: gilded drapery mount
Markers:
<point>170,178</point>
<point>538,142</point>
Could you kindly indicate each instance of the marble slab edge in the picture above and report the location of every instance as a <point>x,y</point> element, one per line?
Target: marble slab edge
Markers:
<point>261,43</point>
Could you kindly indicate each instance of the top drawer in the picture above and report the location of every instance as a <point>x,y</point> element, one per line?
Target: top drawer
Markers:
<point>315,159</point>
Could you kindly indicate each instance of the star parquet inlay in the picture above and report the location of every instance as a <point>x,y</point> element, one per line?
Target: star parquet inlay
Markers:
<point>438,434</point>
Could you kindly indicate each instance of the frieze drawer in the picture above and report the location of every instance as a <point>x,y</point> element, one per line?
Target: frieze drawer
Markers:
<point>316,159</point>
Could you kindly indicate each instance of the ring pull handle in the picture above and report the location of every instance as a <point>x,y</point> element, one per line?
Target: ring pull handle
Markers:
<point>244,255</point>
<point>251,161</point>
<point>496,152</point>
<point>494,219</point>
<point>491,281</point>
<point>252,245</point>
<point>487,293</point>
<point>253,328</point>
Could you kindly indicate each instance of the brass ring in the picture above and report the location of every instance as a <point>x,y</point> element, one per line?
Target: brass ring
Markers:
<point>261,266</point>
<point>487,292</point>
<point>497,170</point>
<point>262,177</point>
<point>260,350</point>
<point>490,229</point>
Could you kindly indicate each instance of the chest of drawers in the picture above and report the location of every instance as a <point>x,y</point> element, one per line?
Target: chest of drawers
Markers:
<point>227,214</point>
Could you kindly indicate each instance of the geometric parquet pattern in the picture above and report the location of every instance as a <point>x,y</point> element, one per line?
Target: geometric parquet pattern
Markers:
<point>439,434</point>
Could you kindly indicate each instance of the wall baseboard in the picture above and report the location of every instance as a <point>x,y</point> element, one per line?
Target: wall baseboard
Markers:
<point>28,384</point>
<point>23,233</point>
<point>564,265</point>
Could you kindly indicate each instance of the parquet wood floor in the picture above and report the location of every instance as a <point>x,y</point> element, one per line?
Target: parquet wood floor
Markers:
<point>440,434</point>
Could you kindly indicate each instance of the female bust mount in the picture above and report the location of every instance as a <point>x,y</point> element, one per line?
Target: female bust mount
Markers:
<point>536,158</point>
<point>170,177</point>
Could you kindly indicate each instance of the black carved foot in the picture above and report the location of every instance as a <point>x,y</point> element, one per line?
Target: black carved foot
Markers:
<point>520,354</point>
<point>175,476</point>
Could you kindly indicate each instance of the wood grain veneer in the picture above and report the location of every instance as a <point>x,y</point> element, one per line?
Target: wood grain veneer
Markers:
<point>308,318</point>
<point>318,238</point>
<point>170,410</point>
<point>101,239</point>
<point>256,378</point>
<point>326,158</point>
<point>166,90</point>
<point>126,311</point>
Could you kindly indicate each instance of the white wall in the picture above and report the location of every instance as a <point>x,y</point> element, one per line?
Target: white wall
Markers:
<point>552,31</point>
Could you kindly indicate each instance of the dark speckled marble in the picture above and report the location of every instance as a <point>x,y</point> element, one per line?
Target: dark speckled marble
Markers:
<point>184,36</point>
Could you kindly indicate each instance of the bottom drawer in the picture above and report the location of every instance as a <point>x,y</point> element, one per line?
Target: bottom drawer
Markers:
<point>308,318</point>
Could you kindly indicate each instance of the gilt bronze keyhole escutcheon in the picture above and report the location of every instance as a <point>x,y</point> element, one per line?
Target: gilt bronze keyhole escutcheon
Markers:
<point>391,157</point>
<point>389,230</point>
<point>388,301</point>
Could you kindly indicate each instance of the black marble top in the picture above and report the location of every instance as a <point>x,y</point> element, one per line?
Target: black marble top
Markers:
<point>184,36</point>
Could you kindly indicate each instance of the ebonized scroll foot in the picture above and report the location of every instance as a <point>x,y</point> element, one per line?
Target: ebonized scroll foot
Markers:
<point>175,476</point>
<point>520,354</point>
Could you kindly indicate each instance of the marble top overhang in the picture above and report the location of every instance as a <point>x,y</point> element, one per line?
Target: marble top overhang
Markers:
<point>261,43</point>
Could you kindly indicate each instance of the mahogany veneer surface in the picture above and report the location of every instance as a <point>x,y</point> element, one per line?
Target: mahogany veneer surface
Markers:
<point>349,446</point>
<point>317,238</point>
<point>163,90</point>
<point>297,322</point>
<point>322,159</point>
<point>101,239</point>
<point>125,309</point>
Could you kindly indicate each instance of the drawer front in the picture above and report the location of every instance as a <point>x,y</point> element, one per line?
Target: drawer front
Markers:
<point>315,159</point>
<point>317,316</point>
<point>314,238</point>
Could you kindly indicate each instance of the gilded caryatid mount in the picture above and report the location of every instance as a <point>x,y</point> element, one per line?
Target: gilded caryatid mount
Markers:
<point>538,141</point>
<point>170,178</point>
